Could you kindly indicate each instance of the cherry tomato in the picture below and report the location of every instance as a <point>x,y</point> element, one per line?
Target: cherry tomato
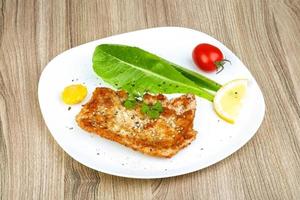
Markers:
<point>208,57</point>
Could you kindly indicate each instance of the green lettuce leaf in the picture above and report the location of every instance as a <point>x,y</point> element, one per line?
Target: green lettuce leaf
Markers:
<point>138,71</point>
<point>197,78</point>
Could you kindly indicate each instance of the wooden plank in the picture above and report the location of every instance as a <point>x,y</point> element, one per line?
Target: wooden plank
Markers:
<point>265,34</point>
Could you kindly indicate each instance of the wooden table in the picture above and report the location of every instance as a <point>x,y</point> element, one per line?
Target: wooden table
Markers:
<point>265,34</point>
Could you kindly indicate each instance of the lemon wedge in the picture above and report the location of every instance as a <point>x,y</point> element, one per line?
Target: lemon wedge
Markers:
<point>229,98</point>
<point>73,94</point>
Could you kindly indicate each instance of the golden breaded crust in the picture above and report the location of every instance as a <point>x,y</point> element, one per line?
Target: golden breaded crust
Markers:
<point>106,116</point>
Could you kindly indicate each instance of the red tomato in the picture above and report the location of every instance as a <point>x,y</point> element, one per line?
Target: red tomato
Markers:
<point>208,57</point>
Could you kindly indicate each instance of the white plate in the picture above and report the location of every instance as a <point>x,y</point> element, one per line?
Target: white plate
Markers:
<point>215,140</point>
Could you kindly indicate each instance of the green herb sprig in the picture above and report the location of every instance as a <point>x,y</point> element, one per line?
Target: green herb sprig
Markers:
<point>131,101</point>
<point>152,111</point>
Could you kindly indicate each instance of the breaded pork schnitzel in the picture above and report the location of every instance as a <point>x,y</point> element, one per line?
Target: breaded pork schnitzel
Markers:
<point>106,116</point>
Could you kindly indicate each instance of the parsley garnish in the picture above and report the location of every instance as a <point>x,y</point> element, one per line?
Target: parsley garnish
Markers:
<point>158,107</point>
<point>152,111</point>
<point>129,104</point>
<point>131,101</point>
<point>153,114</point>
<point>145,108</point>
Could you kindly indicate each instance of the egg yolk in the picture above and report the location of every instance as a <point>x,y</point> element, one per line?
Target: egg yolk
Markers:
<point>74,94</point>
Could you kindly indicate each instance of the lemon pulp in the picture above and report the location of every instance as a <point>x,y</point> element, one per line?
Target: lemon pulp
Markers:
<point>74,94</point>
<point>228,100</point>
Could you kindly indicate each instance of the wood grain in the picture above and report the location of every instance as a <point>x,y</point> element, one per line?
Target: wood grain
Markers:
<point>265,34</point>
